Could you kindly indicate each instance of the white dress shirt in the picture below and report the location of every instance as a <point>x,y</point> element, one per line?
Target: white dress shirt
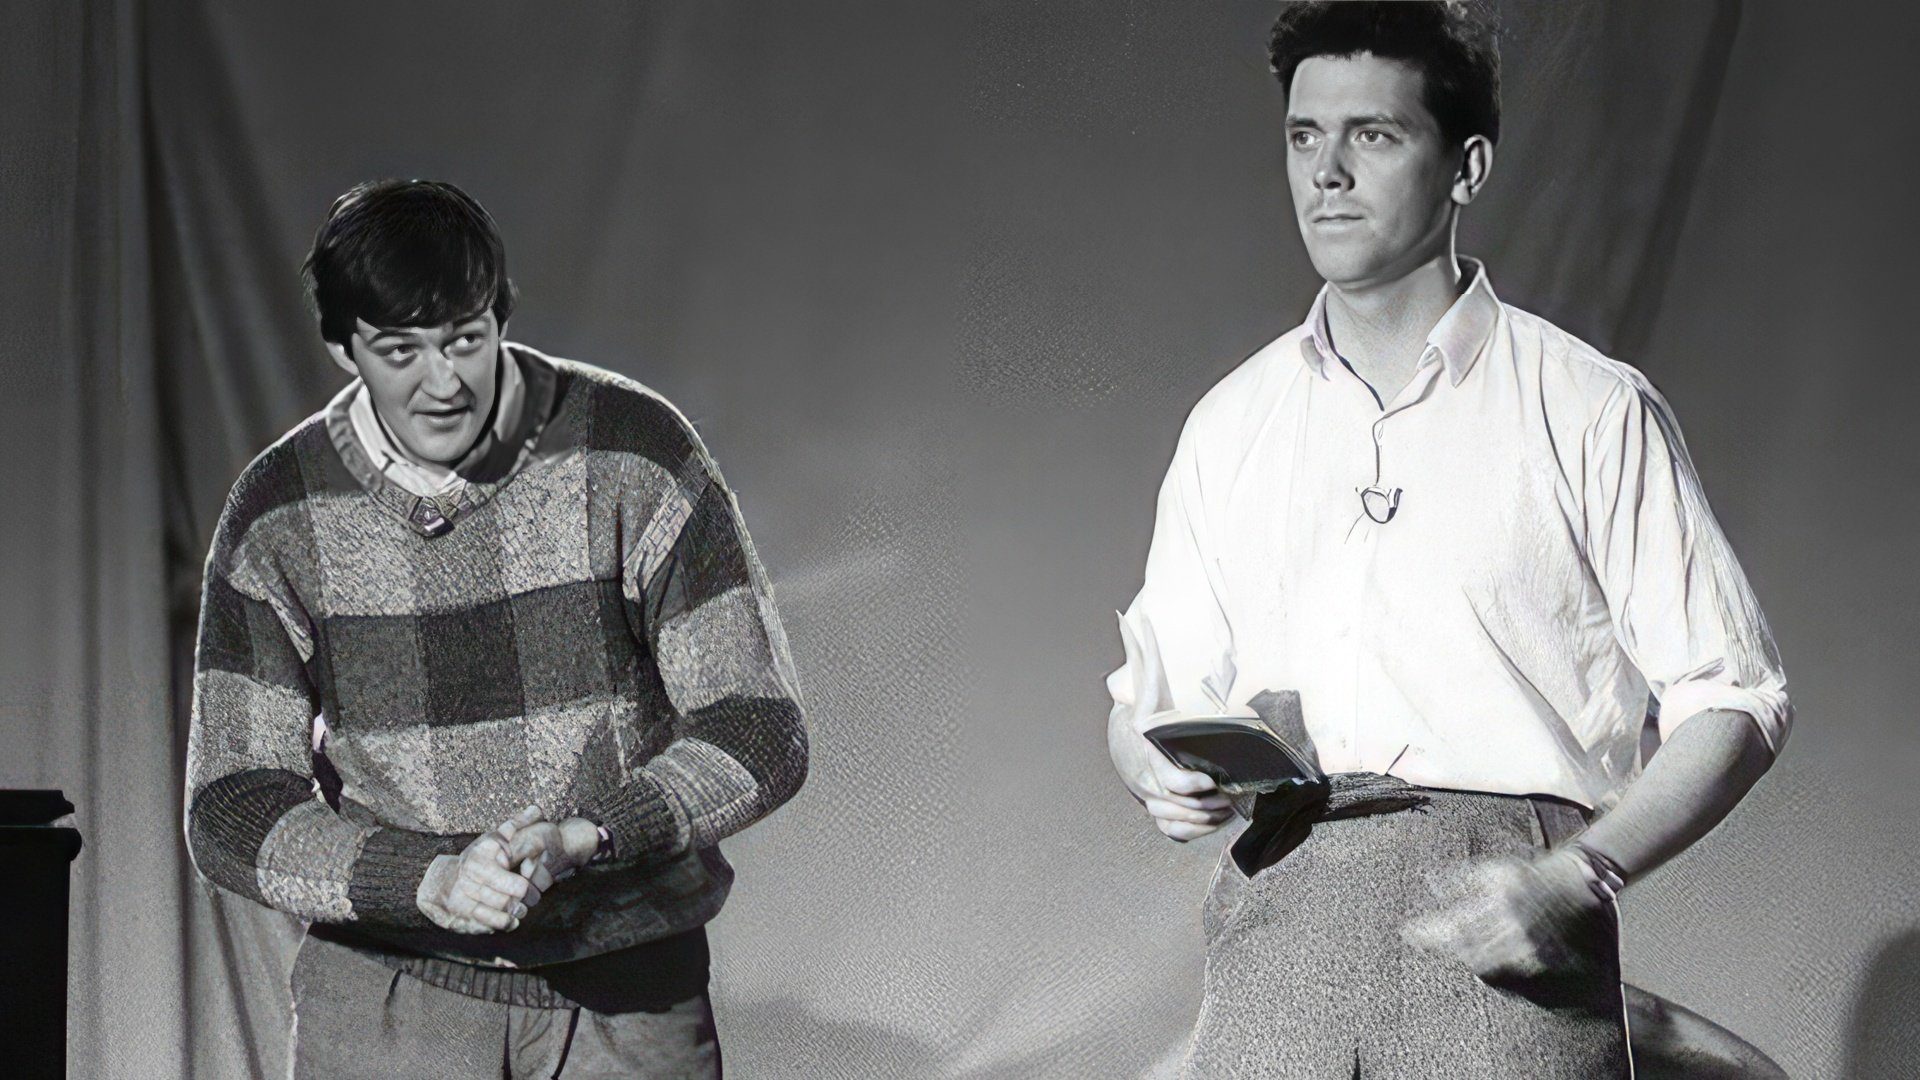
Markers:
<point>1552,561</point>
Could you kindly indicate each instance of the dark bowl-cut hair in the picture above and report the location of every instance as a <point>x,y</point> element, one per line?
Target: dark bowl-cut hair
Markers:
<point>1454,43</point>
<point>405,253</point>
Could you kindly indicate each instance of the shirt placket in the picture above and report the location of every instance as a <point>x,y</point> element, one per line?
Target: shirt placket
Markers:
<point>1366,604</point>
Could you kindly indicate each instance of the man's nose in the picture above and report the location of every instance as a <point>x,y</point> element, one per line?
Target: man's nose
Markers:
<point>1330,169</point>
<point>442,382</point>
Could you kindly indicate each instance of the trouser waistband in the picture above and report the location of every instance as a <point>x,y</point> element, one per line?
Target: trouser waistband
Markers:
<point>649,977</point>
<point>1282,820</point>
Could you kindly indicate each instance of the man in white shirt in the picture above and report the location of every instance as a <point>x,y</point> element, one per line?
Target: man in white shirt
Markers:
<point>1476,551</point>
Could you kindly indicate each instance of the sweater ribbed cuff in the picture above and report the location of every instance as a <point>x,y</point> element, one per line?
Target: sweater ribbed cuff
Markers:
<point>643,819</point>
<point>386,877</point>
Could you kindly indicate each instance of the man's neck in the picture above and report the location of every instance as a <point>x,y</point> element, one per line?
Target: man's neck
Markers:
<point>1381,328</point>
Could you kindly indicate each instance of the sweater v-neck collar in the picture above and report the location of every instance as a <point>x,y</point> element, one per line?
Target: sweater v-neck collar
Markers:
<point>494,463</point>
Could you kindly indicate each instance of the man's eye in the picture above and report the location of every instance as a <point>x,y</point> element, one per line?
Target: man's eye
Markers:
<point>1370,137</point>
<point>1301,139</point>
<point>399,355</point>
<point>466,341</point>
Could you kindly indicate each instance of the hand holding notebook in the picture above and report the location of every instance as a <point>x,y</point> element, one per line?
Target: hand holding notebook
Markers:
<point>1184,804</point>
<point>1241,754</point>
<point>1236,747</point>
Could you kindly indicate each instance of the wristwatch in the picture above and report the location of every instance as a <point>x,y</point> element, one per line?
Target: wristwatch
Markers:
<point>604,851</point>
<point>1604,876</point>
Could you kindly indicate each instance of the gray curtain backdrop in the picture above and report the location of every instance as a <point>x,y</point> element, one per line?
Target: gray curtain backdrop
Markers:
<point>939,283</point>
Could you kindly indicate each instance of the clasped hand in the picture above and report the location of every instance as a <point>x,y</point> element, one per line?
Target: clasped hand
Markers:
<point>492,885</point>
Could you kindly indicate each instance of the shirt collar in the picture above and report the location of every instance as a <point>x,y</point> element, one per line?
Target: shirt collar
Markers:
<point>1457,337</point>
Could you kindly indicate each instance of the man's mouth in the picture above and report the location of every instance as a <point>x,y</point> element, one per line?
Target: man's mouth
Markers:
<point>443,418</point>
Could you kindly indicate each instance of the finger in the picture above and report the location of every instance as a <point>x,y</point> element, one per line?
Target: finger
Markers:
<point>498,899</point>
<point>1179,781</point>
<point>483,896</point>
<point>505,882</point>
<point>529,843</point>
<point>527,816</point>
<point>490,918</point>
<point>1171,811</point>
<point>542,878</point>
<point>1184,831</point>
<point>526,848</point>
<point>488,846</point>
<point>1213,800</point>
<point>1145,785</point>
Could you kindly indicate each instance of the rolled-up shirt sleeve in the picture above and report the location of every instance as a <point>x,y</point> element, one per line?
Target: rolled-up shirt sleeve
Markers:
<point>1180,594</point>
<point>1681,606</point>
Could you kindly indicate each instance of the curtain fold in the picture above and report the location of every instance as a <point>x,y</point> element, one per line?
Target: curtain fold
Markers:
<point>85,650</point>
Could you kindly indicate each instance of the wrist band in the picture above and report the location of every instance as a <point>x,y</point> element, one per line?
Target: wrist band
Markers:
<point>603,852</point>
<point>1604,876</point>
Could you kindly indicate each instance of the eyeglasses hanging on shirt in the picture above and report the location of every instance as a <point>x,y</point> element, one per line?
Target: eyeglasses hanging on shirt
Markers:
<point>1380,503</point>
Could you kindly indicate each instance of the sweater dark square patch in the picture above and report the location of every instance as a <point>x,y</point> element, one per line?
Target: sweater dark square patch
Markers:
<point>373,672</point>
<point>559,635</point>
<point>275,659</point>
<point>226,632</point>
<point>640,426</point>
<point>619,625</point>
<point>709,552</point>
<point>472,664</point>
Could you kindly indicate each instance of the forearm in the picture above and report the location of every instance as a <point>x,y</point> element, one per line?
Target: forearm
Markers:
<point>736,760</point>
<point>1703,770</point>
<point>262,834</point>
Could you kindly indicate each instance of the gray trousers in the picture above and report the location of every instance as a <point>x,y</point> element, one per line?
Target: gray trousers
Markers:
<point>355,1017</point>
<point>1307,977</point>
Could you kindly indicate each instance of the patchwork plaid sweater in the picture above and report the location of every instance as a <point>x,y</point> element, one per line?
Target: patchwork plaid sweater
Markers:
<point>584,626</point>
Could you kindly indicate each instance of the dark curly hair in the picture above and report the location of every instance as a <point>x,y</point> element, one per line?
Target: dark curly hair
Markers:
<point>1453,43</point>
<point>405,253</point>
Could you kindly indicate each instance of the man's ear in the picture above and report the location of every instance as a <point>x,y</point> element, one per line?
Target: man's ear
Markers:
<point>1476,163</point>
<point>342,357</point>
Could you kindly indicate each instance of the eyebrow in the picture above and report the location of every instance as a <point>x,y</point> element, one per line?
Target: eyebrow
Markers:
<point>407,333</point>
<point>1365,119</point>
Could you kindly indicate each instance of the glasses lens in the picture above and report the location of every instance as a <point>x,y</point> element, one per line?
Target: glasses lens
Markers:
<point>1379,504</point>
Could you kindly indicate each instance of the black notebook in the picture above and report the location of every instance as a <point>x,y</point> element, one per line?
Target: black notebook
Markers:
<point>1240,753</point>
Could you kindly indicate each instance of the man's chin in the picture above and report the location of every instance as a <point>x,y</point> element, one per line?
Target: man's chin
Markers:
<point>441,449</point>
<point>1343,267</point>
